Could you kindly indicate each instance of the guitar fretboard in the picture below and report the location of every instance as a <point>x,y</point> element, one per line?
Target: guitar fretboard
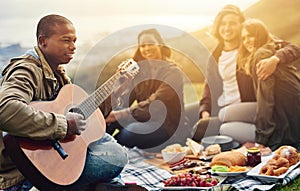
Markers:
<point>89,105</point>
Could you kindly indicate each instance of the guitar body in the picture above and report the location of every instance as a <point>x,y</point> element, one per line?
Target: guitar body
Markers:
<point>40,162</point>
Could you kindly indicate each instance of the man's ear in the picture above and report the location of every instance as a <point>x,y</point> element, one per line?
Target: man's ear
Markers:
<point>42,41</point>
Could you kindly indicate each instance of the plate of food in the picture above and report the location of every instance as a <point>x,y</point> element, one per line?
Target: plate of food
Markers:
<point>229,163</point>
<point>277,166</point>
<point>222,170</point>
<point>189,181</point>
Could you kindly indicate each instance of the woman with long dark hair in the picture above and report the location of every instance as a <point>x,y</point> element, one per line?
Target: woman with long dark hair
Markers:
<point>278,97</point>
<point>153,104</point>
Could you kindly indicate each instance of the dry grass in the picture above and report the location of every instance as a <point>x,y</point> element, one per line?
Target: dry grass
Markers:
<point>192,92</point>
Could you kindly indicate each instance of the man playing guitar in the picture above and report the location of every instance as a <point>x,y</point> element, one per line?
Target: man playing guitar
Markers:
<point>39,76</point>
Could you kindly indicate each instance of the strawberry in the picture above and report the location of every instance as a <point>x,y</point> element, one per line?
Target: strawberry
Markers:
<point>202,183</point>
<point>208,184</point>
<point>214,182</point>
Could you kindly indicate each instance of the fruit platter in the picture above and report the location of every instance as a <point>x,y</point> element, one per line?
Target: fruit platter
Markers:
<point>190,180</point>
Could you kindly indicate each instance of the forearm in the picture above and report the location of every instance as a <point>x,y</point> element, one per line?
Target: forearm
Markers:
<point>205,102</point>
<point>158,102</point>
<point>107,105</point>
<point>288,53</point>
<point>19,119</point>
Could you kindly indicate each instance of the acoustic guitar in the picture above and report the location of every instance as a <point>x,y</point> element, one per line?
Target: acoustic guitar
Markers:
<point>52,164</point>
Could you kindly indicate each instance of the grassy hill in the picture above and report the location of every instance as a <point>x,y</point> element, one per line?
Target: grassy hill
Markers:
<point>281,17</point>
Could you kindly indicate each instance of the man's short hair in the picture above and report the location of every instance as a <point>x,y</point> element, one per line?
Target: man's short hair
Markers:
<point>46,24</point>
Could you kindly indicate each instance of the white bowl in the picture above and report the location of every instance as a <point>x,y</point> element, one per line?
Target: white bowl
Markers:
<point>172,157</point>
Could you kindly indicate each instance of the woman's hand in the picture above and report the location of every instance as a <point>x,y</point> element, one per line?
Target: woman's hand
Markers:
<point>110,118</point>
<point>266,67</point>
<point>125,80</point>
<point>205,115</point>
<point>117,115</point>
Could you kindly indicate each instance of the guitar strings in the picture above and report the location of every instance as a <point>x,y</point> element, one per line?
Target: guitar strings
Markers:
<point>89,105</point>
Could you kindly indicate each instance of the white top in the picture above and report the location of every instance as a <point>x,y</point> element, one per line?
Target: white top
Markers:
<point>227,70</point>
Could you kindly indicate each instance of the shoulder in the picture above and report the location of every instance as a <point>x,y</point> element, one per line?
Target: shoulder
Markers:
<point>216,53</point>
<point>25,60</point>
<point>169,72</point>
<point>174,69</point>
<point>170,65</point>
<point>214,57</point>
<point>22,64</point>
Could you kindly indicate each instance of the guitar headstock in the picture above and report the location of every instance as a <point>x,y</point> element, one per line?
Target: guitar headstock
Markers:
<point>129,66</point>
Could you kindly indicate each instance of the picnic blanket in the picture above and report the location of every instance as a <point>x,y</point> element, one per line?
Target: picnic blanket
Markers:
<point>143,174</point>
<point>150,176</point>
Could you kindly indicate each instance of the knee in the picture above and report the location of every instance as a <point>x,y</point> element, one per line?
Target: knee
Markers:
<point>109,152</point>
<point>104,162</point>
<point>120,153</point>
<point>117,161</point>
<point>239,131</point>
<point>267,83</point>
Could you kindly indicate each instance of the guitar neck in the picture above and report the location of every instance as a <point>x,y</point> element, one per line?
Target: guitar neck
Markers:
<point>89,105</point>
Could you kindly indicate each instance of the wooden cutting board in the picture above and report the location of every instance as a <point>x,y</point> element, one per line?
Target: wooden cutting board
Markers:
<point>160,163</point>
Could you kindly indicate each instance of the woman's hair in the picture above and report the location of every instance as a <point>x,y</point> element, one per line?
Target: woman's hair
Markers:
<point>228,9</point>
<point>46,24</point>
<point>257,29</point>
<point>165,51</point>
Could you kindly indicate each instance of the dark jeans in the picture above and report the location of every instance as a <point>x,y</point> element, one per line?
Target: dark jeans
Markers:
<point>278,107</point>
<point>206,127</point>
<point>146,135</point>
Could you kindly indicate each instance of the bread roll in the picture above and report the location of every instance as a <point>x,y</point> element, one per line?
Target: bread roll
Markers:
<point>290,153</point>
<point>229,158</point>
<point>174,148</point>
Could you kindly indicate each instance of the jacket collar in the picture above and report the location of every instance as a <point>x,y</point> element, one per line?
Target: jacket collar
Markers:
<point>48,73</point>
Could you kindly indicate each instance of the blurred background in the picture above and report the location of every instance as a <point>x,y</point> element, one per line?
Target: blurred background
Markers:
<point>107,31</point>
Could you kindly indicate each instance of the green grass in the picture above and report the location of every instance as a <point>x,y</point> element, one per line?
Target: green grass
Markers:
<point>293,185</point>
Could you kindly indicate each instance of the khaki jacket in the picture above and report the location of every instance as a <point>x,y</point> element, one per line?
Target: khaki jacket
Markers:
<point>29,78</point>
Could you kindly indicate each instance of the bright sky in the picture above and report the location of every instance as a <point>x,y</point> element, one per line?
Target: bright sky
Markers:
<point>96,18</point>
